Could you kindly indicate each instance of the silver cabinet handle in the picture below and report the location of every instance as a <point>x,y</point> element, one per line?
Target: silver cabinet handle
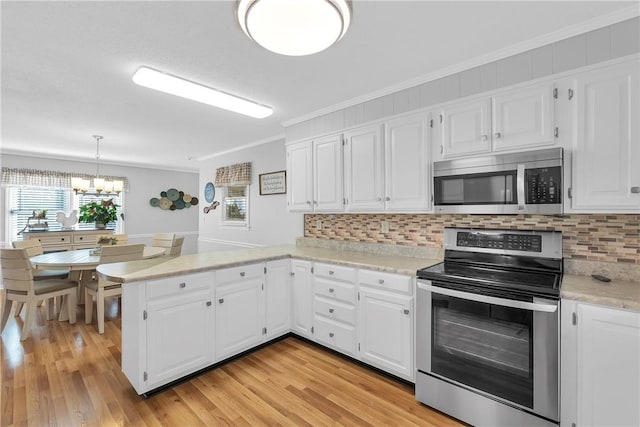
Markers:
<point>331,334</point>
<point>520,186</point>
<point>484,137</point>
<point>331,310</point>
<point>221,300</point>
<point>242,274</point>
<point>497,135</point>
<point>635,190</point>
<point>182,285</point>
<point>387,198</point>
<point>331,290</point>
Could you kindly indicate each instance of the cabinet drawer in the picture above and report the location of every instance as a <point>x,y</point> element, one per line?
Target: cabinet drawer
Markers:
<point>234,274</point>
<point>335,290</point>
<point>58,239</point>
<point>88,239</point>
<point>340,336</point>
<point>336,272</point>
<point>178,285</point>
<point>335,310</point>
<point>388,281</point>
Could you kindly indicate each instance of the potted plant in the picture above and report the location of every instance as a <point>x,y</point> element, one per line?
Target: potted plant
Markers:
<point>101,212</point>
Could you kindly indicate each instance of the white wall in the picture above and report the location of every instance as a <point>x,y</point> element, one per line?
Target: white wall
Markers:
<point>269,221</point>
<point>141,219</point>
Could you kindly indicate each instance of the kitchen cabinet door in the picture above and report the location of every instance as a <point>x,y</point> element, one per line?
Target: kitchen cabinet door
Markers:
<point>407,176</point>
<point>600,369</point>
<point>466,128</point>
<point>300,177</point>
<point>239,315</point>
<point>606,145</point>
<point>523,118</point>
<point>278,298</point>
<point>364,169</point>
<point>385,331</point>
<point>180,336</point>
<point>327,174</point>
<point>301,297</point>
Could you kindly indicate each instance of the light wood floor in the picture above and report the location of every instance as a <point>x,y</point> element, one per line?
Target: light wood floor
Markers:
<point>69,375</point>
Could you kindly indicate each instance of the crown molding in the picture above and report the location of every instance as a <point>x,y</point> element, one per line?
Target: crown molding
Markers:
<point>242,147</point>
<point>534,43</point>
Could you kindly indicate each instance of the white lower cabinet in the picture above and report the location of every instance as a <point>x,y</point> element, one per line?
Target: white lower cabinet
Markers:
<point>301,297</point>
<point>278,298</point>
<point>239,309</point>
<point>385,322</point>
<point>599,366</point>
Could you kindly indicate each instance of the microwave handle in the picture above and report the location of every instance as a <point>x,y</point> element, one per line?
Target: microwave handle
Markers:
<point>520,187</point>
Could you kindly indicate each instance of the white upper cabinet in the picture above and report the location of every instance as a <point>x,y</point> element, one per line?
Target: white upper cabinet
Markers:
<point>523,118</point>
<point>407,186</point>
<point>300,177</point>
<point>364,169</point>
<point>327,174</point>
<point>466,128</point>
<point>509,120</point>
<point>606,144</point>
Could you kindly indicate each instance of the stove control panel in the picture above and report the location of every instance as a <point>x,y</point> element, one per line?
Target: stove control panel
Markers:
<point>506,241</point>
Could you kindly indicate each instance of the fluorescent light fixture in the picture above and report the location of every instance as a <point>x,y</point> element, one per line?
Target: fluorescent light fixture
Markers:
<point>294,27</point>
<point>167,83</point>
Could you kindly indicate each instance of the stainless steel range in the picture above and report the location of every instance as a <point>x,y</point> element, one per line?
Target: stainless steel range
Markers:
<point>488,328</point>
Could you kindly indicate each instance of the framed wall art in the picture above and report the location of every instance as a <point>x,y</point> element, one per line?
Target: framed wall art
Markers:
<point>273,183</point>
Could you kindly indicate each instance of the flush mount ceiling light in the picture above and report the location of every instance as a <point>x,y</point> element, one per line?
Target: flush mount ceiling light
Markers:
<point>294,27</point>
<point>167,83</point>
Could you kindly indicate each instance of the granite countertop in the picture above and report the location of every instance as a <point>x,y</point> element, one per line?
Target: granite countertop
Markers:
<point>137,271</point>
<point>615,294</point>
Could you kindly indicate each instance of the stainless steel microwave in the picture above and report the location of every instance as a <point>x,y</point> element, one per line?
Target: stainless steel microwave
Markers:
<point>527,182</point>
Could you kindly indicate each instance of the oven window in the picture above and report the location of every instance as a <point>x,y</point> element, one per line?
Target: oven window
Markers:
<point>485,346</point>
<point>476,189</point>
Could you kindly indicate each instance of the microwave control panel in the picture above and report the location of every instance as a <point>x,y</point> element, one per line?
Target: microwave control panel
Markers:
<point>543,185</point>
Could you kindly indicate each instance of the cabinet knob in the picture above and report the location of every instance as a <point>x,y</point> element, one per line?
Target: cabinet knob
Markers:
<point>308,202</point>
<point>484,137</point>
<point>331,334</point>
<point>208,303</point>
<point>331,290</point>
<point>221,300</point>
<point>635,190</point>
<point>242,274</point>
<point>379,199</point>
<point>405,311</point>
<point>381,281</point>
<point>182,285</point>
<point>387,198</point>
<point>331,272</point>
<point>497,135</point>
<point>331,310</point>
<point>315,202</point>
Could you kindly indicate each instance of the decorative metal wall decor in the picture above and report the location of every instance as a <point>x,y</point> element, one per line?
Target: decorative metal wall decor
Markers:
<point>173,199</point>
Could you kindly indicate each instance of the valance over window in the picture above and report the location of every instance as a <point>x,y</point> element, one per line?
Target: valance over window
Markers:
<point>42,178</point>
<point>238,174</point>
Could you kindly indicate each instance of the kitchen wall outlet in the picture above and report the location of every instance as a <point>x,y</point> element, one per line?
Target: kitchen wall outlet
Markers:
<point>385,226</point>
<point>318,224</point>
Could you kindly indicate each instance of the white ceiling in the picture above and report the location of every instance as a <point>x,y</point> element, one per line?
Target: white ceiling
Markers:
<point>67,67</point>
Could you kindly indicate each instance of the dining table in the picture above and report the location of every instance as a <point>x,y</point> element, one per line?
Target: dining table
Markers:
<point>80,262</point>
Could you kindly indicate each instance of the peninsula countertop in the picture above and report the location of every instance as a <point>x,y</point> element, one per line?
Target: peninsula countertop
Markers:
<point>137,271</point>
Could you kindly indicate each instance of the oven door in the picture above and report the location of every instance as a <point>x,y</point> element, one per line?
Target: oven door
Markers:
<point>506,349</point>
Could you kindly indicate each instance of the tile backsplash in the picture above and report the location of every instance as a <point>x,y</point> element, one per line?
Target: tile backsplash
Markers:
<point>594,237</point>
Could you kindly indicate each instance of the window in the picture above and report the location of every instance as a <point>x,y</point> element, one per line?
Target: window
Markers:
<point>235,203</point>
<point>22,201</point>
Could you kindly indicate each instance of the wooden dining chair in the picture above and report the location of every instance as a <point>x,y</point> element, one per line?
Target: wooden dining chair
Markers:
<point>163,240</point>
<point>176,248</point>
<point>100,289</point>
<point>19,285</point>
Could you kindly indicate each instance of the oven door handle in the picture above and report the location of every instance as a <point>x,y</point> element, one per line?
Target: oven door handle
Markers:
<point>533,306</point>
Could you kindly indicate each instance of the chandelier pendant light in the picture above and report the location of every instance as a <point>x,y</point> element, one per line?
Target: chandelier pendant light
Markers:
<point>294,27</point>
<point>100,185</point>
